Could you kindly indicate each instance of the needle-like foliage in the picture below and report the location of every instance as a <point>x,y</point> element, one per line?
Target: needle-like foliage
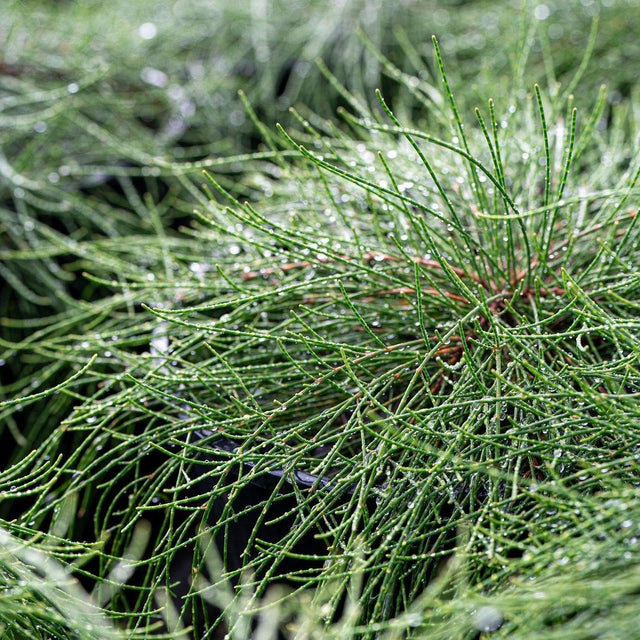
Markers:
<point>384,385</point>
<point>102,104</point>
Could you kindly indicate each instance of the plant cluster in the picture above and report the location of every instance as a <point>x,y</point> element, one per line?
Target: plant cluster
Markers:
<point>371,373</point>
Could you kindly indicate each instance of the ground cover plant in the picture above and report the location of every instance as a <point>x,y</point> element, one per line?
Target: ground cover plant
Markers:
<point>378,379</point>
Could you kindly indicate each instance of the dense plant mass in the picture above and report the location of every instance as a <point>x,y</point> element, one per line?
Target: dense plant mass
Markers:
<point>371,373</point>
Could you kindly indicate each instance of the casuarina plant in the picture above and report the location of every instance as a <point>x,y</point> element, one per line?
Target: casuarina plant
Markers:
<point>384,387</point>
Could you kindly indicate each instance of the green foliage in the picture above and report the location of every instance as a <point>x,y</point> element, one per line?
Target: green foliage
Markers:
<point>41,598</point>
<point>382,383</point>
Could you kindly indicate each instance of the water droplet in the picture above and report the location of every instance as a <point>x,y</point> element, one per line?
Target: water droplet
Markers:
<point>154,77</point>
<point>542,12</point>
<point>147,31</point>
<point>487,619</point>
